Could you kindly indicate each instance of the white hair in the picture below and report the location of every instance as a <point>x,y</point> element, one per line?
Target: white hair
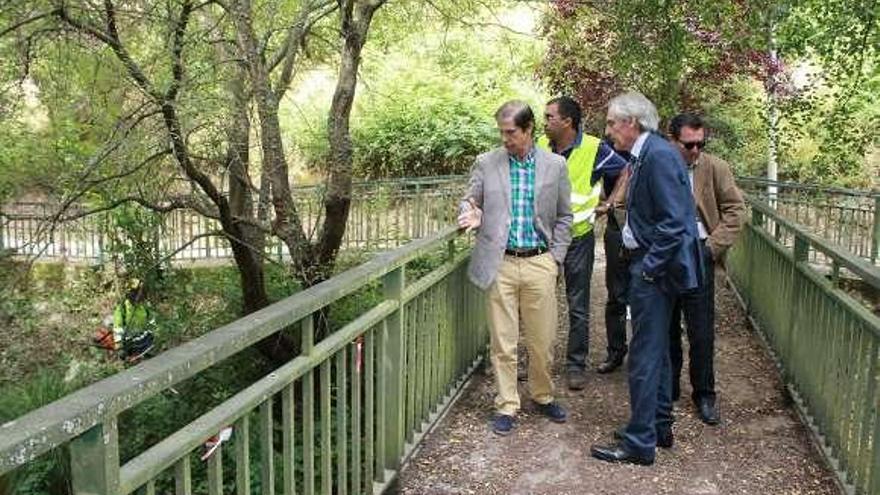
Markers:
<point>634,105</point>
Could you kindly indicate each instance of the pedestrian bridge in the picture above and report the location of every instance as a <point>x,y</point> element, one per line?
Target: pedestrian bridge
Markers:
<point>397,399</point>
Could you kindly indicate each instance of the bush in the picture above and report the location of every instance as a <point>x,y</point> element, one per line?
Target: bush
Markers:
<point>132,242</point>
<point>421,136</point>
<point>425,103</point>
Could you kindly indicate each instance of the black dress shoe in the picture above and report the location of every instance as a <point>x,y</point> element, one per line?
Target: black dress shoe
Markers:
<point>707,410</point>
<point>610,364</point>
<point>665,439</point>
<point>618,453</point>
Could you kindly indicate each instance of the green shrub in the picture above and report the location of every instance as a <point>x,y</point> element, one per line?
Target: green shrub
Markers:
<point>132,242</point>
<point>415,136</point>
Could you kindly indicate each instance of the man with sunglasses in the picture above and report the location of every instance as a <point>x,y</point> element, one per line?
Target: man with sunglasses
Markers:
<point>720,212</point>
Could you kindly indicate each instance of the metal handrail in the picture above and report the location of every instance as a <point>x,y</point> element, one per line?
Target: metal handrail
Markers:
<point>840,257</point>
<point>764,182</point>
<point>822,329</point>
<point>40,431</point>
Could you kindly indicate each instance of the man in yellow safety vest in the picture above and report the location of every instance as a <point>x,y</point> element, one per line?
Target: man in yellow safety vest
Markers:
<point>590,161</point>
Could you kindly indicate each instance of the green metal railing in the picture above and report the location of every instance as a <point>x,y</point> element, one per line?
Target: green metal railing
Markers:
<point>846,217</point>
<point>388,213</point>
<point>384,214</point>
<point>353,405</point>
<point>825,336</point>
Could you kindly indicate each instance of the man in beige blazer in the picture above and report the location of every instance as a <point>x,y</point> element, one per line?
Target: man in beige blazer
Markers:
<point>518,201</point>
<point>720,213</point>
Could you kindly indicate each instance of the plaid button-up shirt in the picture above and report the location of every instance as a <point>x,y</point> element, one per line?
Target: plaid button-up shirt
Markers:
<point>522,234</point>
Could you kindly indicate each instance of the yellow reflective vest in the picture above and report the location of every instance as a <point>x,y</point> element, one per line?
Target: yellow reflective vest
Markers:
<point>584,196</point>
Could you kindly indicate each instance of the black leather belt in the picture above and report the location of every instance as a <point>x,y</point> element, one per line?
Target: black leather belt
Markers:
<point>525,253</point>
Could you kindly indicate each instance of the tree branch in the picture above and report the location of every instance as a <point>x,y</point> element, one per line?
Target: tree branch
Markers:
<point>131,171</point>
<point>296,38</point>
<point>111,39</point>
<point>177,51</point>
<point>178,203</point>
<point>25,22</point>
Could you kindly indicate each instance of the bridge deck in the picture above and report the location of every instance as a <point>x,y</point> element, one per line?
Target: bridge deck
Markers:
<point>760,447</point>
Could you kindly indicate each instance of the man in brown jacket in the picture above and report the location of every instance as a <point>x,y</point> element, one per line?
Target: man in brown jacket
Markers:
<point>720,211</point>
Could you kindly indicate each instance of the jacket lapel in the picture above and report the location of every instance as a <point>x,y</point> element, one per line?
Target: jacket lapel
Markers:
<point>636,169</point>
<point>701,169</point>
<point>503,167</point>
<point>540,169</point>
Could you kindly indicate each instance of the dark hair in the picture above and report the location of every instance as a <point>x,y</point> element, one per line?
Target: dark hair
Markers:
<point>136,295</point>
<point>681,120</point>
<point>569,109</point>
<point>519,111</point>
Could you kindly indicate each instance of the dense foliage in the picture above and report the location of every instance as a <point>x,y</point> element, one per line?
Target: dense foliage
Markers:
<point>813,63</point>
<point>428,97</point>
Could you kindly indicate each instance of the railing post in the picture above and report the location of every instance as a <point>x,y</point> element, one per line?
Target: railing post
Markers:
<point>795,305</point>
<point>875,239</point>
<point>308,413</point>
<point>94,460</point>
<point>757,223</point>
<point>3,227</point>
<point>394,358</point>
<point>100,253</point>
<point>801,249</point>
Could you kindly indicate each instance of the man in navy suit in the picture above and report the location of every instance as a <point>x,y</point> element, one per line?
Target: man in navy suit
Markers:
<point>661,242</point>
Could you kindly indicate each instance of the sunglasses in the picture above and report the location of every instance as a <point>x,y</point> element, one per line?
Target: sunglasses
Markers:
<point>698,144</point>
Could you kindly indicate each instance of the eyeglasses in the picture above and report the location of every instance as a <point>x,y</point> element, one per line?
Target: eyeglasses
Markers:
<point>698,144</point>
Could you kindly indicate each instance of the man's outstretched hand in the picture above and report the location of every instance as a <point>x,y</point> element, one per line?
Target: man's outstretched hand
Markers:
<point>471,216</point>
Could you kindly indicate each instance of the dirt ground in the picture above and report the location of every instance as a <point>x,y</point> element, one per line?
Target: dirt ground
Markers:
<point>760,447</point>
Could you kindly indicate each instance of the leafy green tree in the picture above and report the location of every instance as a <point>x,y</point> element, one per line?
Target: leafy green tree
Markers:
<point>188,116</point>
<point>685,54</point>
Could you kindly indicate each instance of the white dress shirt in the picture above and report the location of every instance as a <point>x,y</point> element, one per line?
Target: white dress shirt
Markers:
<point>629,240</point>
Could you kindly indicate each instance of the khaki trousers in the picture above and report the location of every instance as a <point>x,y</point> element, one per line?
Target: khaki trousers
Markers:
<point>524,290</point>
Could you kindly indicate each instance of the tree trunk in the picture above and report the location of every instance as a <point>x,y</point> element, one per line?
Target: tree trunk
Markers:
<point>287,223</point>
<point>355,20</point>
<point>246,239</point>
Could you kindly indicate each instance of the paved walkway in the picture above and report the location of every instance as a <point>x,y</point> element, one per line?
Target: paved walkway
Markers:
<point>760,447</point>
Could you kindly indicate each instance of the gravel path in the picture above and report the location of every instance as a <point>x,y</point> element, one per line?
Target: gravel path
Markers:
<point>760,448</point>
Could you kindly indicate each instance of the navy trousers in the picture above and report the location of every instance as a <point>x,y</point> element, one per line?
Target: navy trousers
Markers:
<point>617,285</point>
<point>698,307</point>
<point>578,272</point>
<point>648,364</point>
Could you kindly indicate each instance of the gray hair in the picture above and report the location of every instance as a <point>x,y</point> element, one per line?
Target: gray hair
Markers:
<point>519,111</point>
<point>634,105</point>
